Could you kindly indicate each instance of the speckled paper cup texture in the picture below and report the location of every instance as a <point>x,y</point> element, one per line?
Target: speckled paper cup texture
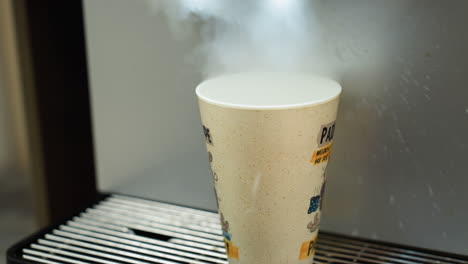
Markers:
<point>269,138</point>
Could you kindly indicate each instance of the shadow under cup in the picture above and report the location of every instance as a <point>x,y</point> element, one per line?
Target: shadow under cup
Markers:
<point>269,137</point>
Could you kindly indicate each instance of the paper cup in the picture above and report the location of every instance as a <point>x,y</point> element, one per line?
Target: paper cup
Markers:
<point>269,137</point>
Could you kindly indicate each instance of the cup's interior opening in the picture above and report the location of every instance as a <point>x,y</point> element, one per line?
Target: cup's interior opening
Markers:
<point>268,90</point>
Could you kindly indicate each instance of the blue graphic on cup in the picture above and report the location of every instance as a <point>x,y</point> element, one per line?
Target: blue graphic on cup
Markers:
<point>314,204</point>
<point>227,236</point>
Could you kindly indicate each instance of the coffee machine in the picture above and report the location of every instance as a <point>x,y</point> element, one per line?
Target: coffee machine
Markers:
<point>134,142</point>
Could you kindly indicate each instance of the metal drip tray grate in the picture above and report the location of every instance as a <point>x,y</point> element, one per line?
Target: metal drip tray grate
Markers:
<point>122,229</point>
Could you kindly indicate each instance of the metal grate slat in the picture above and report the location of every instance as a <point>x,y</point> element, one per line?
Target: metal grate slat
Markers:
<point>52,256</point>
<point>39,260</point>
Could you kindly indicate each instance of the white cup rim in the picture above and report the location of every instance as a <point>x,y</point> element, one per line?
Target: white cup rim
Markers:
<point>328,90</point>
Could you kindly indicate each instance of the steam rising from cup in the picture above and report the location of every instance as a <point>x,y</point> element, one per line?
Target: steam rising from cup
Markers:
<point>242,36</point>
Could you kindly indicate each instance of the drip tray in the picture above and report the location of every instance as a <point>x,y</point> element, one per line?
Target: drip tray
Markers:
<point>124,229</point>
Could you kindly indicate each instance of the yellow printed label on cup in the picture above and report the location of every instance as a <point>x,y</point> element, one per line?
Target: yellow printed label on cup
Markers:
<point>231,250</point>
<point>308,249</point>
<point>322,154</point>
